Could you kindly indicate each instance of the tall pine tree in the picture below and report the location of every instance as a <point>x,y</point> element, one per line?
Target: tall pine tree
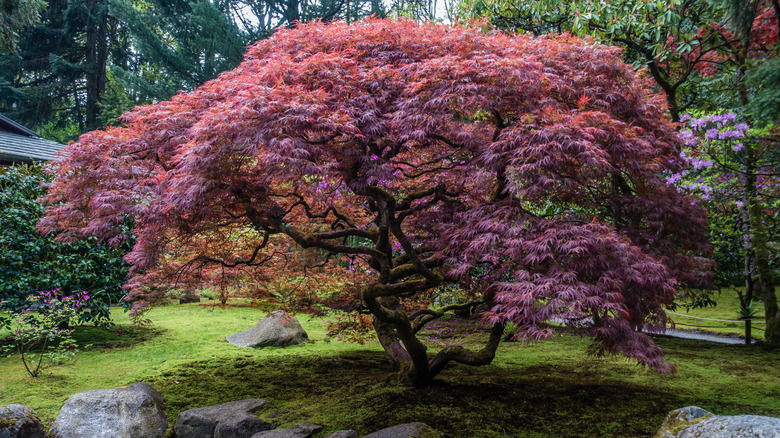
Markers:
<point>58,74</point>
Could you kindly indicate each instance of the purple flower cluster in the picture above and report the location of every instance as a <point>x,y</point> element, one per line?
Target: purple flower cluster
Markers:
<point>699,164</point>
<point>707,137</point>
<point>675,178</point>
<point>717,126</point>
<point>722,118</point>
<point>55,297</point>
<point>704,190</point>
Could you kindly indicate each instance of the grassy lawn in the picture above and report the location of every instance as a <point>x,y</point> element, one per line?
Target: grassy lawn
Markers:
<point>726,309</point>
<point>536,390</point>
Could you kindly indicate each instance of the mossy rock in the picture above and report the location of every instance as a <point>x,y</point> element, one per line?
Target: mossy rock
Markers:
<point>277,329</point>
<point>17,421</point>
<point>137,411</point>
<point>681,419</point>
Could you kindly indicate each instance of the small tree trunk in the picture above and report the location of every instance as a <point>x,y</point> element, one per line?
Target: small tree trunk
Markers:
<point>746,299</point>
<point>96,58</point>
<point>765,284</point>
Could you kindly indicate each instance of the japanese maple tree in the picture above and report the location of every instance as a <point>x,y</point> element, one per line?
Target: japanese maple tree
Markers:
<point>409,156</point>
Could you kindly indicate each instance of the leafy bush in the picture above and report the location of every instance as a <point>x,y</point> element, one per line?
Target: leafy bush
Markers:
<point>718,147</point>
<point>40,332</point>
<point>34,262</point>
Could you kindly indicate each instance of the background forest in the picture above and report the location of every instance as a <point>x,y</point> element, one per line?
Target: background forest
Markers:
<point>71,66</point>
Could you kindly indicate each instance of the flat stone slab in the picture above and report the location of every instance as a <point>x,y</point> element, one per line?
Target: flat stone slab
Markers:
<point>737,426</point>
<point>695,422</point>
<point>349,433</point>
<point>407,430</point>
<point>304,430</point>
<point>234,419</point>
<point>277,329</point>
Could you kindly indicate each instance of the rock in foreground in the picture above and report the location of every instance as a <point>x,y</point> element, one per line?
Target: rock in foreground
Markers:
<point>277,329</point>
<point>349,433</point>
<point>305,430</point>
<point>408,430</point>
<point>17,421</point>
<point>227,420</point>
<point>137,411</point>
<point>695,422</point>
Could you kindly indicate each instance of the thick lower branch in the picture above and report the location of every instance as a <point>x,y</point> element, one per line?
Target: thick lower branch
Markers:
<point>456,353</point>
<point>399,339</point>
<point>311,241</point>
<point>408,269</point>
<point>378,290</point>
<point>389,341</point>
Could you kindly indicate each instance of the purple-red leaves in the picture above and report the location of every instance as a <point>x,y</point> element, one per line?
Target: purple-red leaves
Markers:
<point>416,151</point>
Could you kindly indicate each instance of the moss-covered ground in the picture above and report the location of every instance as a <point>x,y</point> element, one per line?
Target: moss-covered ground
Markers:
<point>544,389</point>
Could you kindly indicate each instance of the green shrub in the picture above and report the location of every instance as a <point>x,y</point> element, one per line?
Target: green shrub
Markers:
<point>40,332</point>
<point>33,262</point>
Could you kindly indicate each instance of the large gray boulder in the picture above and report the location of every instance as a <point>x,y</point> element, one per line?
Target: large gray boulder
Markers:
<point>407,430</point>
<point>304,430</point>
<point>137,411</point>
<point>228,420</point>
<point>695,422</point>
<point>277,329</point>
<point>17,421</point>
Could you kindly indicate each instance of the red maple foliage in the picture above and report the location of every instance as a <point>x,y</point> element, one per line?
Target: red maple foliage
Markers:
<point>409,156</point>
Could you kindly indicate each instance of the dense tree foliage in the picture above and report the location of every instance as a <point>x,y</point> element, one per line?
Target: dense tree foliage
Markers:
<point>33,262</point>
<point>60,67</point>
<point>177,45</point>
<point>698,52</point>
<point>525,171</point>
<point>659,35</point>
<point>15,17</point>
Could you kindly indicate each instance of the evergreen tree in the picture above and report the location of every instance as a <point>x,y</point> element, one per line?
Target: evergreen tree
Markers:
<point>16,15</point>
<point>56,82</point>
<point>178,45</point>
<point>58,74</point>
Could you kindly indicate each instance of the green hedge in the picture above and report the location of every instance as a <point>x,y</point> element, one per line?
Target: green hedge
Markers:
<point>31,262</point>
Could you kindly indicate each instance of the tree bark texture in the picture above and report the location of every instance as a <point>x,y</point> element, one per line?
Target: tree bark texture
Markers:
<point>763,281</point>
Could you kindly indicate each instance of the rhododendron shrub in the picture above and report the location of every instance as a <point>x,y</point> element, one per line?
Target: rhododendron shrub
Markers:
<point>30,262</point>
<point>734,170</point>
<point>408,157</point>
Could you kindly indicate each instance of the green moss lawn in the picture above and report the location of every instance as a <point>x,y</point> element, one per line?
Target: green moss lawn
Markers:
<point>535,390</point>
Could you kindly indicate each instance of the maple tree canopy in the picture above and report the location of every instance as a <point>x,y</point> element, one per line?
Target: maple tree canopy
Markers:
<point>408,156</point>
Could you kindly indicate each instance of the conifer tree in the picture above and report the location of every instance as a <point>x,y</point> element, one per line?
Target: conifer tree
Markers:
<point>59,70</point>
